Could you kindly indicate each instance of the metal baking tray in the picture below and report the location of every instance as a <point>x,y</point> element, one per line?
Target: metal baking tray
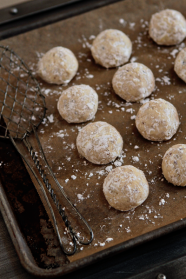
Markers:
<point>115,231</point>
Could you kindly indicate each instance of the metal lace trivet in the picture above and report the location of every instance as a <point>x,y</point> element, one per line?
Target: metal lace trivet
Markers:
<point>22,107</point>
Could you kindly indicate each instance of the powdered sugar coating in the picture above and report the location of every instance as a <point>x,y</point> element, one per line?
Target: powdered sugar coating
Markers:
<point>157,120</point>
<point>99,143</point>
<point>125,188</point>
<point>180,64</point>
<point>174,165</point>
<point>167,27</point>
<point>59,65</point>
<point>133,82</point>
<point>111,48</point>
<point>78,103</point>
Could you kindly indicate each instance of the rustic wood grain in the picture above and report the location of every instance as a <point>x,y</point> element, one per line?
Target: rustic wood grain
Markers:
<point>10,266</point>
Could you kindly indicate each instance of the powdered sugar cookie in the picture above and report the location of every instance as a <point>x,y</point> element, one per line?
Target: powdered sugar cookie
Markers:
<point>133,82</point>
<point>157,120</point>
<point>99,142</point>
<point>111,48</point>
<point>59,65</point>
<point>125,188</point>
<point>78,103</point>
<point>174,165</point>
<point>167,27</point>
<point>180,64</point>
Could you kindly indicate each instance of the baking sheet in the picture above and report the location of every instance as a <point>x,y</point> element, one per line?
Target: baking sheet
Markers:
<point>165,203</point>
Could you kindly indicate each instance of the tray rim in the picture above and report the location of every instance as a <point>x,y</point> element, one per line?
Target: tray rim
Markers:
<point>27,259</point>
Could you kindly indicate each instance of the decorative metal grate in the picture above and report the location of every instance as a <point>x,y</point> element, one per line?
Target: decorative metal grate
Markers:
<point>21,101</point>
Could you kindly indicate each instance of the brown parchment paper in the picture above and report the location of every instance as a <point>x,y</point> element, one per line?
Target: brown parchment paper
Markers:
<point>166,203</point>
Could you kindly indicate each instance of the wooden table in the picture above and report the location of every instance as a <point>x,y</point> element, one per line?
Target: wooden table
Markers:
<point>10,266</point>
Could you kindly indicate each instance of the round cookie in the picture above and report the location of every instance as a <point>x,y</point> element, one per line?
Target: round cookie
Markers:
<point>78,103</point>
<point>180,64</point>
<point>133,82</point>
<point>174,165</point>
<point>167,27</point>
<point>59,65</point>
<point>125,188</point>
<point>111,48</point>
<point>157,120</point>
<point>99,142</point>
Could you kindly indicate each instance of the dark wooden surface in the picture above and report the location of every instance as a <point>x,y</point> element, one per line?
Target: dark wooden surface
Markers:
<point>10,266</point>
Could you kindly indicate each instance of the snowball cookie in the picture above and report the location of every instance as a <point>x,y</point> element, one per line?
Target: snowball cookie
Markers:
<point>133,82</point>
<point>78,103</point>
<point>59,65</point>
<point>157,120</point>
<point>180,64</point>
<point>167,27</point>
<point>125,188</point>
<point>111,48</point>
<point>174,165</point>
<point>99,142</point>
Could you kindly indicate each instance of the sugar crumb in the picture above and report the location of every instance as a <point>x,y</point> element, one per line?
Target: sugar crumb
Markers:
<point>117,163</point>
<point>135,158</point>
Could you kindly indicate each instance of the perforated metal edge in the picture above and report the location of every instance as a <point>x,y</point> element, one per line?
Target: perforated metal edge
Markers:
<point>29,130</point>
